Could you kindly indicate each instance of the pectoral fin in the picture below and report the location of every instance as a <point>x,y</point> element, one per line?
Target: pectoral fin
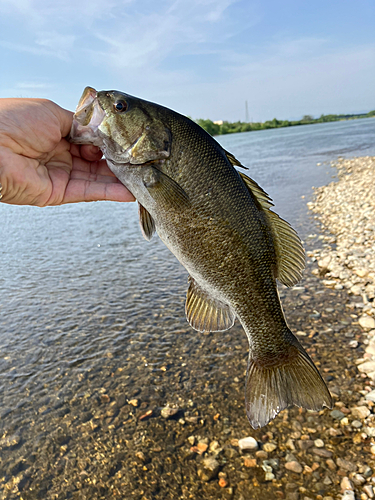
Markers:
<point>146,222</point>
<point>205,313</point>
<point>163,189</point>
<point>289,250</point>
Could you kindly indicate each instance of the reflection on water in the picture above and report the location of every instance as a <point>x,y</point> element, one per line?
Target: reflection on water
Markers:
<point>84,296</point>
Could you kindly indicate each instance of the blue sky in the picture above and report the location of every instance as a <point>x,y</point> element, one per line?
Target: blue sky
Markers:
<point>203,58</point>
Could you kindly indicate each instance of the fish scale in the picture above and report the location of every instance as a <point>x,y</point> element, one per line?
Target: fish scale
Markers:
<point>218,223</point>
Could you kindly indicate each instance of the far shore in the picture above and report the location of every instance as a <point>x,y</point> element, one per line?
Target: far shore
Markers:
<point>221,127</point>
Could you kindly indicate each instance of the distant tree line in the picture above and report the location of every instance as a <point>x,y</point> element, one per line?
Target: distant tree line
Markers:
<point>235,127</point>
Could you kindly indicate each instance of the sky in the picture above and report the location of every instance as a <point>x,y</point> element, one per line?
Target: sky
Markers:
<point>202,58</point>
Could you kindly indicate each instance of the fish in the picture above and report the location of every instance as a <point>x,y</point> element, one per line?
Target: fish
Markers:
<point>219,224</point>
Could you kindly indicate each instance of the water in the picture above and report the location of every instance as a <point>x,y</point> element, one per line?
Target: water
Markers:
<point>84,296</point>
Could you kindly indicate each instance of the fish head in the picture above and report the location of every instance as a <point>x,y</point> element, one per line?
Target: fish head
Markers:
<point>127,129</point>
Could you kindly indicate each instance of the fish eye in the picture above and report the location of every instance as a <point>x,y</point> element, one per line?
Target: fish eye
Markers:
<point>120,106</point>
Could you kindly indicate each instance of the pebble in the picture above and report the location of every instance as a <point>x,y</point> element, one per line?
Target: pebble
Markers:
<point>360,412</point>
<point>319,443</point>
<point>294,467</point>
<point>322,452</point>
<point>269,476</point>
<point>248,444</point>
<point>367,322</point>
<point>370,396</point>
<point>346,465</point>
<point>356,424</point>
<point>133,402</point>
<point>368,489</point>
<point>269,447</point>
<point>210,469</point>
<point>348,495</point>
<point>9,441</point>
<point>346,484</point>
<point>250,462</point>
<point>337,414</point>
<point>169,411</point>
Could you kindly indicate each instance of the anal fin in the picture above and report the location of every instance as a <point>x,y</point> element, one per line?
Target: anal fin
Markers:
<point>205,313</point>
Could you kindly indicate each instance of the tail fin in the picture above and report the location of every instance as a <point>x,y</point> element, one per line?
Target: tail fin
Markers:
<point>274,386</point>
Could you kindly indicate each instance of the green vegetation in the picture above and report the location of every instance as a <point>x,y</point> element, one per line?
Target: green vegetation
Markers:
<point>232,128</point>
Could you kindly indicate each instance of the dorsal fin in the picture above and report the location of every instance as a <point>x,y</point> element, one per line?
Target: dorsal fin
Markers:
<point>204,313</point>
<point>233,160</point>
<point>289,250</point>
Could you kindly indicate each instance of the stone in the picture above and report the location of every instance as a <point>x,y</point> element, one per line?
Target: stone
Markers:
<point>370,396</point>
<point>268,447</point>
<point>367,367</point>
<point>319,443</point>
<point>290,444</point>
<point>361,272</point>
<point>248,444</point>
<point>337,414</point>
<point>346,465</point>
<point>369,431</point>
<point>331,464</point>
<point>356,424</point>
<point>305,444</point>
<point>366,322</point>
<point>324,262</point>
<point>322,452</point>
<point>368,489</point>
<point>9,441</point>
<point>361,412</point>
<point>169,411</point>
<point>191,440</point>
<point>294,467</point>
<point>210,469</point>
<point>348,495</point>
<point>353,344</point>
<point>269,476</point>
<point>223,483</point>
<point>358,479</point>
<point>134,402</point>
<point>250,462</point>
<point>346,484</point>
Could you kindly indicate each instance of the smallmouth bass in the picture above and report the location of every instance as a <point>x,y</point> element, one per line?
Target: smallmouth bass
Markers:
<point>218,223</point>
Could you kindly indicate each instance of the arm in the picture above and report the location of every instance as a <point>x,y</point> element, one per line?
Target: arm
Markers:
<point>39,167</point>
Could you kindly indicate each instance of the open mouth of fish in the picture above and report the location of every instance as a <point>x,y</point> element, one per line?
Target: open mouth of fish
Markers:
<point>87,119</point>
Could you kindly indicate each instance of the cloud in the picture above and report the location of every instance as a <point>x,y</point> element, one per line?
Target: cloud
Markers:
<point>32,86</point>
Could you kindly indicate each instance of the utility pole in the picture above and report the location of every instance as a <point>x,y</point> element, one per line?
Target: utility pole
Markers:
<point>247,112</point>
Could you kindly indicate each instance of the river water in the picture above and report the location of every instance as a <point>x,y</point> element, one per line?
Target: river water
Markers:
<point>90,312</point>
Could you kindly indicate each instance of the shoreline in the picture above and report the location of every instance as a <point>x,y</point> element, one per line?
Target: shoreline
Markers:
<point>346,209</point>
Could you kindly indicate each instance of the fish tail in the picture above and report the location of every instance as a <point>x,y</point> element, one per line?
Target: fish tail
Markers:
<point>276,382</point>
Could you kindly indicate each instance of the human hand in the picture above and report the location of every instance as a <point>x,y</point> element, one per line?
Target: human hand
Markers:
<point>39,167</point>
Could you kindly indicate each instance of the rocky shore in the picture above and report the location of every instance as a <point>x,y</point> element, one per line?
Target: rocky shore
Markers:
<point>181,432</point>
<point>346,209</point>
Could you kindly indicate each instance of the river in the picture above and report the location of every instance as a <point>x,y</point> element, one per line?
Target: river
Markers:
<point>91,313</point>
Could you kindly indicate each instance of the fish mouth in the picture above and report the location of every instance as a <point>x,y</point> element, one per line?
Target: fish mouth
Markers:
<point>87,119</point>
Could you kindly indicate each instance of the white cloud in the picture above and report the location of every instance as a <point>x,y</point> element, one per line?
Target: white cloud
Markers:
<point>32,85</point>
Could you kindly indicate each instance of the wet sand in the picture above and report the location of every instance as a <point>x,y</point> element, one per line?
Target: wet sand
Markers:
<point>107,442</point>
